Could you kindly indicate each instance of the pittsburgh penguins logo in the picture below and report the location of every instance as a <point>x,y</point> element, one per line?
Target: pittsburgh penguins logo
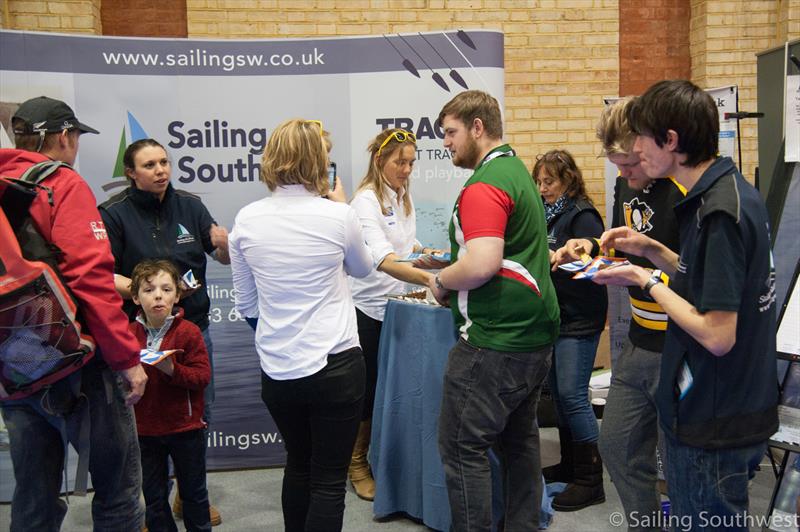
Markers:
<point>638,215</point>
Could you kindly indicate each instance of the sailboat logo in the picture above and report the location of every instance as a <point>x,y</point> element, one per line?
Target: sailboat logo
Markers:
<point>184,236</point>
<point>137,132</point>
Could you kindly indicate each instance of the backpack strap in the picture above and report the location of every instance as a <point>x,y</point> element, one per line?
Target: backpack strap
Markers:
<point>41,171</point>
<point>38,172</point>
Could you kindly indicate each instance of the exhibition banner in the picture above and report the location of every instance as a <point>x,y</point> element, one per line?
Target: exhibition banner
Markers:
<point>213,105</point>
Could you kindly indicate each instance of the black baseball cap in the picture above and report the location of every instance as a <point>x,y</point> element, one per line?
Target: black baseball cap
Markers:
<point>46,115</point>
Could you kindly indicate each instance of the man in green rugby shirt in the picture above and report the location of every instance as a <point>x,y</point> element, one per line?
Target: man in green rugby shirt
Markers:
<point>506,310</point>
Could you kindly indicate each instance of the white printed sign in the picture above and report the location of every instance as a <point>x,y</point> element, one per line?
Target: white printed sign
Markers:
<point>792,119</point>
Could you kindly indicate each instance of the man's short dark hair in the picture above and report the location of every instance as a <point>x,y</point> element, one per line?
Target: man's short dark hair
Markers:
<point>683,107</point>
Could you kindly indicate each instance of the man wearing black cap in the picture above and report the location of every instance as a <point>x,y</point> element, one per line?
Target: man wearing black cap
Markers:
<point>65,214</point>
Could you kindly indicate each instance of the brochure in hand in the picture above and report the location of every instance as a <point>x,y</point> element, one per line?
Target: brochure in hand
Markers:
<point>577,265</point>
<point>600,263</point>
<point>152,358</point>
<point>441,257</point>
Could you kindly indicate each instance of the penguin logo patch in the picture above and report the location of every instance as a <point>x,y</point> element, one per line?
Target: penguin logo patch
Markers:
<point>638,215</point>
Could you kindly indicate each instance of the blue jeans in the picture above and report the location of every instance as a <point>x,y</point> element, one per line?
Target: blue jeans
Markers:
<point>318,417</point>
<point>573,360</point>
<point>629,435</point>
<point>489,400</point>
<point>708,487</point>
<point>188,453</point>
<point>208,394</point>
<point>37,454</point>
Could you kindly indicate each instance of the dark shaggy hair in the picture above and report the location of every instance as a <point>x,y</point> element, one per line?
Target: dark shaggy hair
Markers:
<point>683,107</point>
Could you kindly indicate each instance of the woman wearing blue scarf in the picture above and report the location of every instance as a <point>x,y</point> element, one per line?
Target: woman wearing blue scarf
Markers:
<point>569,213</point>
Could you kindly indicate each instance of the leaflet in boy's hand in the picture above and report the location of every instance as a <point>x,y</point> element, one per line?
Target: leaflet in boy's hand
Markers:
<point>152,358</point>
<point>189,280</point>
<point>600,263</point>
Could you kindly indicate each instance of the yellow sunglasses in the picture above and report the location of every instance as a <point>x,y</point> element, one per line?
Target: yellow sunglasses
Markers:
<point>318,122</point>
<point>399,136</point>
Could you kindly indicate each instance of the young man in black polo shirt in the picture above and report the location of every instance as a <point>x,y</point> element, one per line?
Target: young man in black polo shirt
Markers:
<point>717,395</point>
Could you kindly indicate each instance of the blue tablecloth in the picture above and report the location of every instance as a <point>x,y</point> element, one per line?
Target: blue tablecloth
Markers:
<point>404,454</point>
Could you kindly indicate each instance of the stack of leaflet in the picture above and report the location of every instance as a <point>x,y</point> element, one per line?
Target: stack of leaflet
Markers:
<point>421,297</point>
<point>599,384</point>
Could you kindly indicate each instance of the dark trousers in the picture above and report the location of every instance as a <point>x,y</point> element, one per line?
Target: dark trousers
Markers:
<point>37,454</point>
<point>188,453</point>
<point>318,417</point>
<point>369,335</point>
<point>489,401</point>
<point>208,394</point>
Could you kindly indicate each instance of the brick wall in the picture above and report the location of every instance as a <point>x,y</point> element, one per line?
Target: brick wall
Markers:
<point>725,36</point>
<point>67,16</point>
<point>144,18</point>
<point>653,43</point>
<point>788,20</point>
<point>792,29</point>
<point>561,56</point>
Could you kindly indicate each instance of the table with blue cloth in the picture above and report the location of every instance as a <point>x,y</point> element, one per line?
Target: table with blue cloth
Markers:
<point>415,341</point>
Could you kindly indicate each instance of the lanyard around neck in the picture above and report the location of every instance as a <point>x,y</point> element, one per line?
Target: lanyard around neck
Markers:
<point>495,155</point>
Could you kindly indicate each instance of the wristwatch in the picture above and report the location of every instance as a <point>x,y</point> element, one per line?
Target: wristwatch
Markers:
<point>654,280</point>
<point>438,282</point>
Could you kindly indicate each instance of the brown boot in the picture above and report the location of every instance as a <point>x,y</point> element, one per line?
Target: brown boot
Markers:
<point>360,475</point>
<point>177,509</point>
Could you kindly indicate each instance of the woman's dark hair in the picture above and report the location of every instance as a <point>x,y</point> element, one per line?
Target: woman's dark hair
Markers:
<point>133,149</point>
<point>683,107</point>
<point>561,165</point>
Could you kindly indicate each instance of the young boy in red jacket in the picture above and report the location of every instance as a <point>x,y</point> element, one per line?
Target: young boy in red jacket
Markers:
<point>169,416</point>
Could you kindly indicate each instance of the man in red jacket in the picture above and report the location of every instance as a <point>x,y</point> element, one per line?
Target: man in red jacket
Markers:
<point>109,385</point>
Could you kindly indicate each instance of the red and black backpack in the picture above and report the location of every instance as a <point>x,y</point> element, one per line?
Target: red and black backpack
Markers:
<point>41,340</point>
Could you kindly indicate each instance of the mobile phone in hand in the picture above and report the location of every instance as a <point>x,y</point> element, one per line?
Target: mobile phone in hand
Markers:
<point>332,174</point>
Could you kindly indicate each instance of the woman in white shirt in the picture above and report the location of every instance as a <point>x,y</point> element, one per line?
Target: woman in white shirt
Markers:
<point>290,256</point>
<point>386,212</point>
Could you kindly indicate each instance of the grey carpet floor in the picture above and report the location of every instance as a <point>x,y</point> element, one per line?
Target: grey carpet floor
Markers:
<point>250,500</point>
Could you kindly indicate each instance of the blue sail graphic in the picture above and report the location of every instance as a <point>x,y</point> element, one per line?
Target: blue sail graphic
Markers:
<point>137,131</point>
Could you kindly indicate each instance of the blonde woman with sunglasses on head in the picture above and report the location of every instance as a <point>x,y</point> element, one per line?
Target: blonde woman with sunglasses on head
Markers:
<point>290,256</point>
<point>386,212</point>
